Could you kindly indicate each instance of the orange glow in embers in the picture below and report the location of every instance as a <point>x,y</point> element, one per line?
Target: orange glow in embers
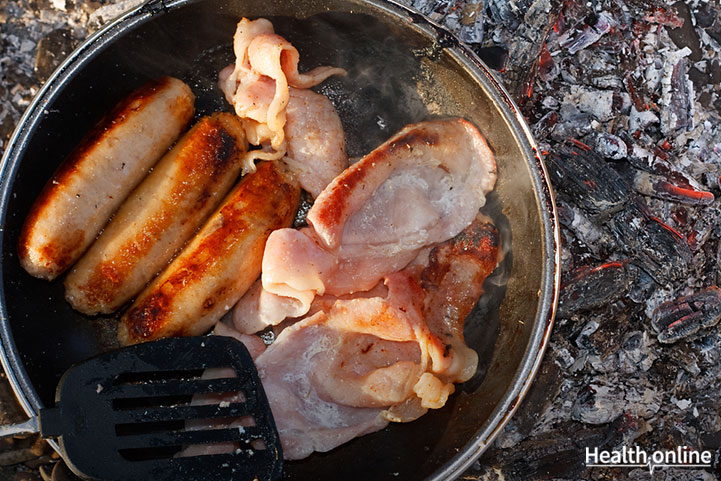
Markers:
<point>584,271</point>
<point>684,318</point>
<point>668,228</point>
<point>609,265</point>
<point>696,195</point>
<point>579,144</point>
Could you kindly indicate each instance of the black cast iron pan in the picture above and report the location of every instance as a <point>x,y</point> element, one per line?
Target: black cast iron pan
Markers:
<point>402,69</point>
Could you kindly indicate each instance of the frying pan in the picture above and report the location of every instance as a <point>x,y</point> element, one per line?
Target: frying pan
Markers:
<point>402,69</point>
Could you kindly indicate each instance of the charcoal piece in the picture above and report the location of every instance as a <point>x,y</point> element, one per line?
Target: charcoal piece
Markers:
<point>543,391</point>
<point>657,186</point>
<point>508,12</point>
<point>428,7</point>
<point>525,49</point>
<point>576,127</point>
<point>699,80</point>
<point>643,288</point>
<point>715,71</point>
<point>608,145</point>
<point>660,163</point>
<point>585,177</point>
<point>472,22</point>
<point>590,34</point>
<point>685,35</point>
<point>623,430</point>
<point>592,287</point>
<point>545,125</point>
<point>595,238</point>
<point>583,337</point>
<point>634,353</point>
<point>705,14</point>
<point>598,403</point>
<point>674,320</point>
<point>546,457</point>
<point>677,117</point>
<point>654,246</point>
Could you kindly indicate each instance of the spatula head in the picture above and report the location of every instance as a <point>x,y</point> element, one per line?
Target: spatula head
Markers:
<point>174,409</point>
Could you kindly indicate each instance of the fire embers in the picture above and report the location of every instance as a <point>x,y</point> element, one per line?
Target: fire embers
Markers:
<point>592,287</point>
<point>604,210</point>
<point>674,320</point>
<point>613,207</point>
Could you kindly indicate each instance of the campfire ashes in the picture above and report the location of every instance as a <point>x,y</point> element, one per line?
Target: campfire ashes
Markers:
<point>624,97</point>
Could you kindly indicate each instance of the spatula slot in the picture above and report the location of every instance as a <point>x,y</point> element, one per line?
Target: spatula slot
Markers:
<point>168,405</point>
<point>178,387</point>
<point>197,412</point>
<point>132,429</point>
<point>156,376</point>
<point>241,434</point>
<point>149,454</point>
<point>211,449</point>
<point>134,403</point>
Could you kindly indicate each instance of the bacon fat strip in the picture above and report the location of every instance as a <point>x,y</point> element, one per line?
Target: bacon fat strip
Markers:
<point>99,174</point>
<point>159,216</point>
<point>219,264</point>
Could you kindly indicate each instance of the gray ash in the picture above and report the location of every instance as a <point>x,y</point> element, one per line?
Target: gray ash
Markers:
<point>625,100</point>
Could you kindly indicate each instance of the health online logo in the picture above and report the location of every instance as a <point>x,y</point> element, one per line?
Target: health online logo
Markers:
<point>636,457</point>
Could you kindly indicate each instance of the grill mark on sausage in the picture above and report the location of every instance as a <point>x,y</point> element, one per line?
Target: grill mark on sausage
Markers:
<point>62,253</point>
<point>152,314</point>
<point>209,152</point>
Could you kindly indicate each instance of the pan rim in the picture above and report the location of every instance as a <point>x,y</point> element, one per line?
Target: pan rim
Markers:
<point>550,280</point>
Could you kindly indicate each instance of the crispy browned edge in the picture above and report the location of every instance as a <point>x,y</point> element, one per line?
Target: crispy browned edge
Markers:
<point>267,194</point>
<point>62,253</point>
<point>334,206</point>
<point>214,144</point>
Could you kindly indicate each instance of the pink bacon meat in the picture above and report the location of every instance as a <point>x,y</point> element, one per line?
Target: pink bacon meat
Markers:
<point>257,85</point>
<point>360,361</point>
<point>421,187</point>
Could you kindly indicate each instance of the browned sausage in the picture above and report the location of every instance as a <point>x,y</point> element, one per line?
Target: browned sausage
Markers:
<point>218,265</point>
<point>161,214</point>
<point>99,174</point>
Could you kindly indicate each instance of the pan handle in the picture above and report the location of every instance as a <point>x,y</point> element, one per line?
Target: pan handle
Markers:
<point>30,426</point>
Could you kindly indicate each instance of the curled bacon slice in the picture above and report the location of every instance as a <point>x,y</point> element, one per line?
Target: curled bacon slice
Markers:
<point>257,85</point>
<point>421,187</point>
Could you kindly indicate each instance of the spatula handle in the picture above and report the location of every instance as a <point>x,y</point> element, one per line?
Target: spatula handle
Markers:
<point>28,427</point>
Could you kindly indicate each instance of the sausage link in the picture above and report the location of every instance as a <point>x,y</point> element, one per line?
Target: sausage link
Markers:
<point>159,216</point>
<point>99,174</point>
<point>218,265</point>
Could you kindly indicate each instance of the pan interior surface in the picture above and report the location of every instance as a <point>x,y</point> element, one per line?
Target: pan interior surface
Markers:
<point>397,75</point>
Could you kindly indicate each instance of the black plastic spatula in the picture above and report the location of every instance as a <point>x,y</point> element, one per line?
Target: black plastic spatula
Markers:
<point>122,415</point>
